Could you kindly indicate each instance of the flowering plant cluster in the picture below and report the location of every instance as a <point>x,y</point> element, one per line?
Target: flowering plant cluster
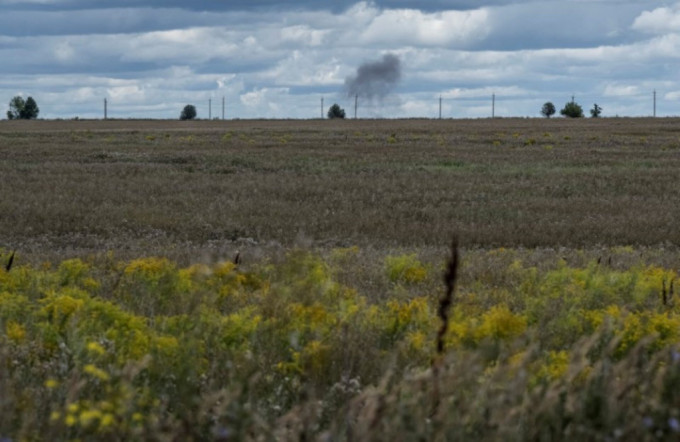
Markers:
<point>145,349</point>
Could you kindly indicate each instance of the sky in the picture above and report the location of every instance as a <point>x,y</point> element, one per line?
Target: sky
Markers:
<point>280,59</point>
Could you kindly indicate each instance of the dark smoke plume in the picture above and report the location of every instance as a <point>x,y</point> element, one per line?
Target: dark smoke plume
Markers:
<point>375,79</point>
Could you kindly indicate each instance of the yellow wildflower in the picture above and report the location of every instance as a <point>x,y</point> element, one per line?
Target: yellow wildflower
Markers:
<point>87,417</point>
<point>96,372</point>
<point>95,347</point>
<point>15,331</point>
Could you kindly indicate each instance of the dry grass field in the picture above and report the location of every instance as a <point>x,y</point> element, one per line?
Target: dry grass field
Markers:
<point>125,317</point>
<point>191,190</point>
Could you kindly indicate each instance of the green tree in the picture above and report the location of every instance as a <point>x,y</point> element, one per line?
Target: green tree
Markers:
<point>188,113</point>
<point>336,111</point>
<point>572,110</point>
<point>31,109</point>
<point>596,111</point>
<point>548,110</point>
<point>20,109</point>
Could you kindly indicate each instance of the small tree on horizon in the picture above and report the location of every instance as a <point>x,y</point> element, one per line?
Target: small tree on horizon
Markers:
<point>336,111</point>
<point>596,111</point>
<point>572,110</point>
<point>548,110</point>
<point>20,109</point>
<point>188,113</point>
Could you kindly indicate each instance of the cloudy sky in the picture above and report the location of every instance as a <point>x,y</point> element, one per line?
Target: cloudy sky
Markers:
<point>277,59</point>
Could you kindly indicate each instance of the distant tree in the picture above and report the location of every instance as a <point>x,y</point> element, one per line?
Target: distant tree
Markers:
<point>572,110</point>
<point>336,111</point>
<point>548,110</point>
<point>20,109</point>
<point>596,111</point>
<point>31,109</point>
<point>16,105</point>
<point>188,113</point>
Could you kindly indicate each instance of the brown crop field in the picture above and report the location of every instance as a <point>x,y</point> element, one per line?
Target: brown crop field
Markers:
<point>181,189</point>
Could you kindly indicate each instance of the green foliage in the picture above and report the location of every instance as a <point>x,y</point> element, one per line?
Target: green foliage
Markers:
<point>548,110</point>
<point>405,269</point>
<point>572,110</point>
<point>188,113</point>
<point>139,349</point>
<point>596,111</point>
<point>335,111</point>
<point>20,109</point>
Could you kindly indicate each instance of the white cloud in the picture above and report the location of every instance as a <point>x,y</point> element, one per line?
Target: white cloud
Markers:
<point>304,35</point>
<point>127,94</point>
<point>64,52</point>
<point>487,91</point>
<point>261,96</point>
<point>414,27</point>
<point>305,68</point>
<point>616,90</point>
<point>659,20</point>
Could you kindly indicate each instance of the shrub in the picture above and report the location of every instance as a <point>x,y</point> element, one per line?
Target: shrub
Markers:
<point>405,269</point>
<point>548,110</point>
<point>336,111</point>
<point>188,113</point>
<point>572,110</point>
<point>596,111</point>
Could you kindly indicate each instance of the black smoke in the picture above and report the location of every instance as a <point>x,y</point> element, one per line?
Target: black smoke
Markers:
<point>376,79</point>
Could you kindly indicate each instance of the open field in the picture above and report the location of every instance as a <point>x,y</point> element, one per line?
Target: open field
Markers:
<point>124,316</point>
<point>160,187</point>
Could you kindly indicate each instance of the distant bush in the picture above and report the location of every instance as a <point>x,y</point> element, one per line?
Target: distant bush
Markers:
<point>336,111</point>
<point>548,110</point>
<point>572,110</point>
<point>188,113</point>
<point>596,111</point>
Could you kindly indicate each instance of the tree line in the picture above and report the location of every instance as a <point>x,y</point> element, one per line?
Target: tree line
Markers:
<point>20,109</point>
<point>570,110</point>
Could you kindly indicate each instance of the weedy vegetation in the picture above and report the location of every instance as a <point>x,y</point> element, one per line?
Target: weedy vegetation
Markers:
<point>269,280</point>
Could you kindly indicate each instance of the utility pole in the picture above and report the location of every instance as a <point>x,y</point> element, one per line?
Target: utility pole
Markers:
<point>222,108</point>
<point>209,108</point>
<point>655,103</point>
<point>322,108</point>
<point>440,107</point>
<point>572,99</point>
<point>105,109</point>
<point>356,101</point>
<point>493,105</point>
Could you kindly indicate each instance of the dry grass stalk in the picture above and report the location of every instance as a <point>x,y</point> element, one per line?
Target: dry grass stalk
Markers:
<point>443,313</point>
<point>446,301</point>
<point>8,267</point>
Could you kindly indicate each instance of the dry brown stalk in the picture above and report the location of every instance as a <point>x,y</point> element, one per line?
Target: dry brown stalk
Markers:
<point>443,313</point>
<point>446,301</point>
<point>8,267</point>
